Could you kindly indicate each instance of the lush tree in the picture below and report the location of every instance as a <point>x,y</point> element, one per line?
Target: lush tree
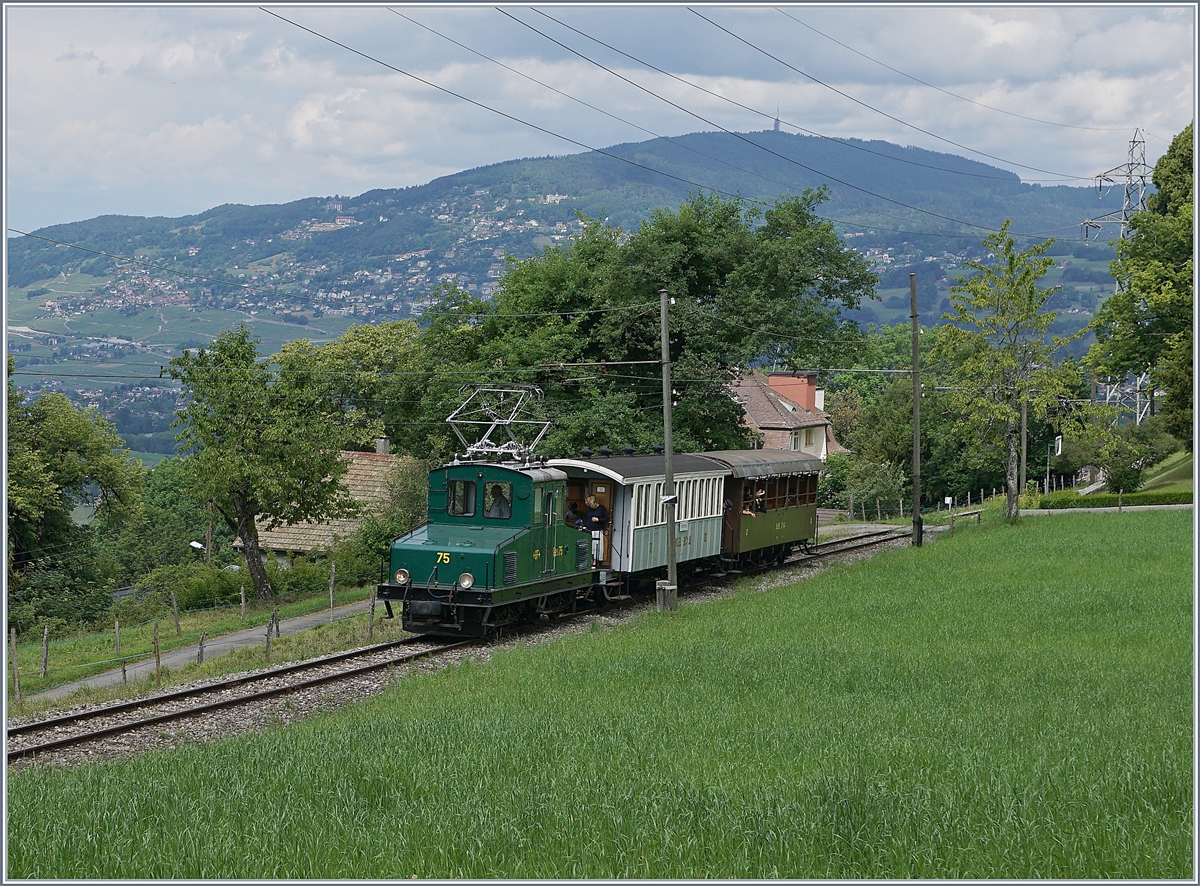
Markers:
<point>378,370</point>
<point>998,335</point>
<point>955,460</point>
<point>158,531</point>
<point>874,485</point>
<point>1146,326</point>
<point>60,457</point>
<point>746,287</point>
<point>262,443</point>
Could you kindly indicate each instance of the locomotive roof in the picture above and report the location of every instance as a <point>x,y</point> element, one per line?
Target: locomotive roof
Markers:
<point>633,467</point>
<point>766,462</point>
<point>534,472</point>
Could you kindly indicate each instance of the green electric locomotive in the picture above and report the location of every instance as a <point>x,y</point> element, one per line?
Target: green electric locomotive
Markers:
<point>498,548</point>
<point>495,551</point>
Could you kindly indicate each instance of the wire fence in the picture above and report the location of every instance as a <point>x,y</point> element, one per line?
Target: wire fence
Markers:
<point>141,651</point>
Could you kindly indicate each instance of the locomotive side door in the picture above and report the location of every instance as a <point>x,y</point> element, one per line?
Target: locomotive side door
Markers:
<point>550,518</point>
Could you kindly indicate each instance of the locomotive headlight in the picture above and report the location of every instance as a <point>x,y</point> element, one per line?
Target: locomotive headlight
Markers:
<point>466,581</point>
<point>402,576</point>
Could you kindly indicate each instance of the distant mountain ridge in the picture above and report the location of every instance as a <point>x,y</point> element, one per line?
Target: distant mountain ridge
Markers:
<point>390,246</point>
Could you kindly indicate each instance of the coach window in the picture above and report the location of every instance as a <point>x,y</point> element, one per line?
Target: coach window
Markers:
<point>460,498</point>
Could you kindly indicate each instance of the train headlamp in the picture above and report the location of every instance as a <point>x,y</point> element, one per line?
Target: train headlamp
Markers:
<point>466,581</point>
<point>402,576</point>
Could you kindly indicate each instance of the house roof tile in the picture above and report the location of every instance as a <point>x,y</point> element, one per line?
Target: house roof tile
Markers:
<point>366,479</point>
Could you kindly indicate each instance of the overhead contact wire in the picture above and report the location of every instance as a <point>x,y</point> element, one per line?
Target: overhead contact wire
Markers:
<point>857,101</point>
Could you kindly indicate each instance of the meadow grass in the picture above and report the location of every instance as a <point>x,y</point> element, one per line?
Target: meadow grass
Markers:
<point>73,658</point>
<point>1174,474</point>
<point>1012,702</point>
<point>348,632</point>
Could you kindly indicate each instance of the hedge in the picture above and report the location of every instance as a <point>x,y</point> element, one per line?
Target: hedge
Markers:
<point>1109,499</point>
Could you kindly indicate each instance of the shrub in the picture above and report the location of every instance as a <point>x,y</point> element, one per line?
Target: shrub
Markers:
<point>303,576</point>
<point>196,586</point>
<point>1072,499</point>
<point>833,480</point>
<point>868,482</point>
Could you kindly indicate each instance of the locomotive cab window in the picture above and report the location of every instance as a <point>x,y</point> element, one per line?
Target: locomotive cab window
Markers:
<point>497,501</point>
<point>460,498</point>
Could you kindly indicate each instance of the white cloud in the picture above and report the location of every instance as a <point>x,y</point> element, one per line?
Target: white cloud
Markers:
<point>171,110</point>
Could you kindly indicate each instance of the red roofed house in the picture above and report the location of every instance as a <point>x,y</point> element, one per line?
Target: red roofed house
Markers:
<point>785,409</point>
<point>367,480</point>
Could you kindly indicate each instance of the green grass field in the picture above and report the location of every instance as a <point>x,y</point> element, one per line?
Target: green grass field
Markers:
<point>1174,474</point>
<point>1013,702</point>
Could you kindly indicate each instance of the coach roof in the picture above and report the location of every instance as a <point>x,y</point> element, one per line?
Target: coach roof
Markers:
<point>766,462</point>
<point>636,467</point>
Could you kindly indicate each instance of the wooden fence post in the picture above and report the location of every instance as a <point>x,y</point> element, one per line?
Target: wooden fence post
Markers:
<point>124,676</point>
<point>175,609</point>
<point>270,624</point>
<point>1120,498</point>
<point>275,618</point>
<point>16,671</point>
<point>371,618</point>
<point>332,573</point>
<point>852,507</point>
<point>243,599</point>
<point>878,512</point>
<point>117,637</point>
<point>157,658</point>
<point>45,649</point>
<point>200,650</point>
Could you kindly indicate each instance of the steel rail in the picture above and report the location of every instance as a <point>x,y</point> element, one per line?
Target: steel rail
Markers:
<point>119,728</point>
<point>229,683</point>
<point>829,548</point>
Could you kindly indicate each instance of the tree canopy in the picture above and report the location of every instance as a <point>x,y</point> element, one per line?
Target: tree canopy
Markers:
<point>582,322</point>
<point>1146,325</point>
<point>997,338</point>
<point>262,442</point>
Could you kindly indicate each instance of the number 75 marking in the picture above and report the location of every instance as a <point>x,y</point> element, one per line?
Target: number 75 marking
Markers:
<point>443,556</point>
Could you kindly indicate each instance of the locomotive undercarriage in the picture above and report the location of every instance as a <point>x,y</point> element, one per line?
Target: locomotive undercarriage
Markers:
<point>447,614</point>
<point>444,613</point>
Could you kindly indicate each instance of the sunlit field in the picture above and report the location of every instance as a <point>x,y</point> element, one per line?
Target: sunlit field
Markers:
<point>1013,702</point>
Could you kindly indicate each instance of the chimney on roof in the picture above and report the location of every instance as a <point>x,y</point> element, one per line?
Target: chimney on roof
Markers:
<point>382,445</point>
<point>800,387</point>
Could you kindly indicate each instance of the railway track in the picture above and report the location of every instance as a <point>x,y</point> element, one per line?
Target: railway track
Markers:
<point>28,740</point>
<point>853,543</point>
<point>66,731</point>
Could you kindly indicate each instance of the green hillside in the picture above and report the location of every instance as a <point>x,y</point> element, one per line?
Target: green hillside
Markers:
<point>80,320</point>
<point>912,716</point>
<point>228,239</point>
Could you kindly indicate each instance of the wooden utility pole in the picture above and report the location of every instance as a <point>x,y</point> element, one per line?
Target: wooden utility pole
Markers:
<point>16,671</point>
<point>668,593</point>
<point>157,658</point>
<point>1024,443</point>
<point>916,380</point>
<point>332,573</point>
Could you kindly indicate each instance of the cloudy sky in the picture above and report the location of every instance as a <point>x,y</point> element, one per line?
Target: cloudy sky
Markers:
<point>171,110</point>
